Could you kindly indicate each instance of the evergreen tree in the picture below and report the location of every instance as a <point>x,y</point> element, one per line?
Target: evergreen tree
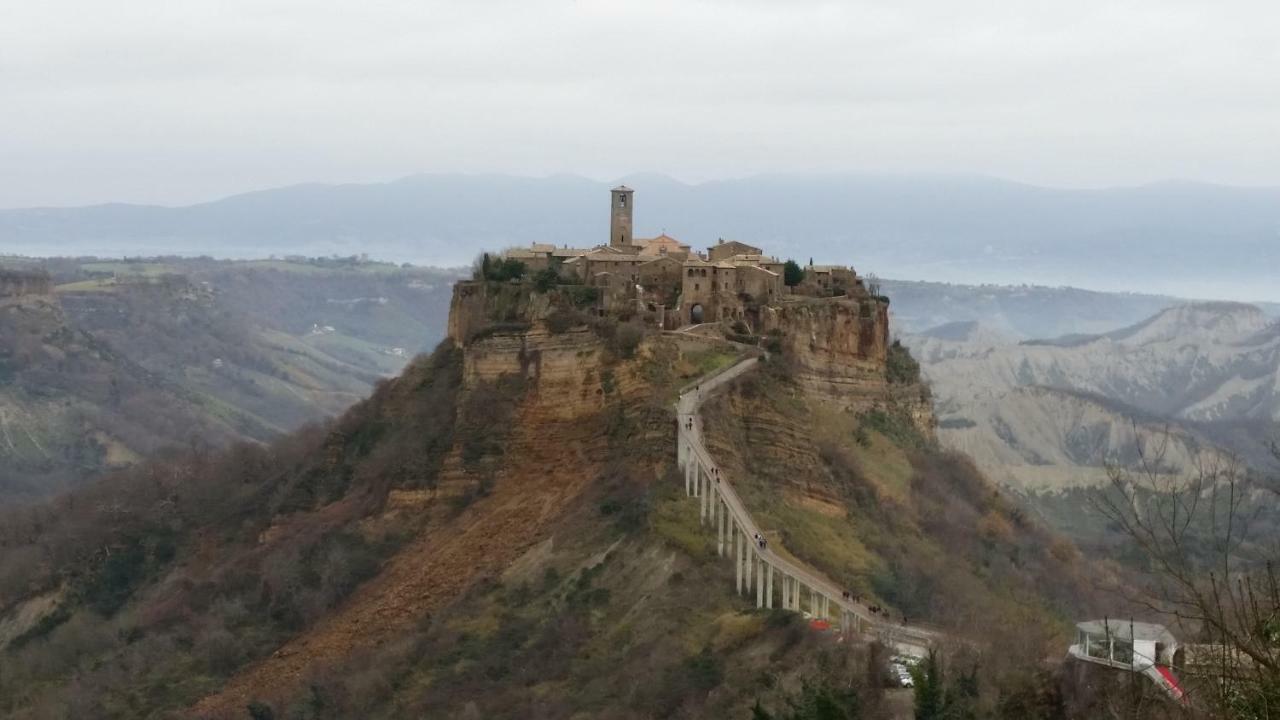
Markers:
<point>792,273</point>
<point>929,689</point>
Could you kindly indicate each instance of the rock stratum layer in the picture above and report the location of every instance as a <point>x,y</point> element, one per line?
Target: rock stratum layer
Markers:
<point>841,348</point>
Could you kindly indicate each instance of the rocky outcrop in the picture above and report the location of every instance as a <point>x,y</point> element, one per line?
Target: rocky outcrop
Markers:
<point>834,338</point>
<point>23,283</point>
<point>478,308</point>
<point>840,348</point>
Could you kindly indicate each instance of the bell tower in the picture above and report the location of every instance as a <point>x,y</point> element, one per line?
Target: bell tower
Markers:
<point>620,217</point>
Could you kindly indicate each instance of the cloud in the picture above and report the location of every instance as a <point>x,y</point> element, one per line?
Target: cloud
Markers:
<point>175,102</point>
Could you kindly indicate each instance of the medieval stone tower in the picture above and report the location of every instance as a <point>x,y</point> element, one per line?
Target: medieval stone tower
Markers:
<point>620,217</point>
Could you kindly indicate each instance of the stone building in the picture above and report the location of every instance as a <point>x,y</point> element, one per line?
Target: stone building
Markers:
<point>620,218</point>
<point>731,281</point>
<point>724,250</point>
<point>826,280</point>
<point>664,246</point>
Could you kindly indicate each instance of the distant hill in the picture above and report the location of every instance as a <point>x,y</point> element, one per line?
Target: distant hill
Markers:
<point>1051,414</point>
<point>119,360</point>
<point>1018,312</point>
<point>1185,239</point>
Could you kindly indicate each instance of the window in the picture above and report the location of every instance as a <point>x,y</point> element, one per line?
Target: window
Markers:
<point>695,286</point>
<point>622,200</point>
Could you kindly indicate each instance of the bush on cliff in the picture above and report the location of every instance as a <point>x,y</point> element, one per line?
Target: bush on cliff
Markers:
<point>900,367</point>
<point>545,279</point>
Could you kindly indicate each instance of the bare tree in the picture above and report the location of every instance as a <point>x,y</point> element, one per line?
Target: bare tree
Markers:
<point>1208,572</point>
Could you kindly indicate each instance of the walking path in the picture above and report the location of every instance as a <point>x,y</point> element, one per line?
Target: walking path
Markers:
<point>738,536</point>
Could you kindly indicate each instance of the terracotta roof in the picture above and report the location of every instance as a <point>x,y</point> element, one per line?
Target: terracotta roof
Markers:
<point>542,247</point>
<point>569,252</point>
<point>597,256</point>
<point>661,258</point>
<point>663,239</point>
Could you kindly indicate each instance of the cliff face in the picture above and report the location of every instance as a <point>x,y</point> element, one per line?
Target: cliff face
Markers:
<point>836,342</point>
<point>17,284</point>
<point>503,332</point>
<point>841,351</point>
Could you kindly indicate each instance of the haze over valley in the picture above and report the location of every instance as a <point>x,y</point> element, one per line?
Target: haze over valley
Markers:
<point>1180,239</point>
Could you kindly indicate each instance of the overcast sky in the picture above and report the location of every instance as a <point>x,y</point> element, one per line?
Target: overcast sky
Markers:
<point>177,101</point>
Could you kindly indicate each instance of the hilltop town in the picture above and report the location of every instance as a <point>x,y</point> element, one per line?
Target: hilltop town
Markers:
<point>677,285</point>
<point>543,308</point>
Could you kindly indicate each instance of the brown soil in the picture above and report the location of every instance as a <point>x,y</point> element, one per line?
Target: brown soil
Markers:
<point>548,462</point>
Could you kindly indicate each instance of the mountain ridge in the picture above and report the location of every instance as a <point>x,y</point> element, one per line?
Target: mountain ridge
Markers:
<point>941,228</point>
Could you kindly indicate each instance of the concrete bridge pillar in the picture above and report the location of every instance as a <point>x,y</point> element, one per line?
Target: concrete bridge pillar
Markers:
<point>759,566</point>
<point>826,606</point>
<point>768,592</point>
<point>737,562</point>
<point>719,526</point>
<point>748,559</point>
<point>688,479</point>
<point>702,495</point>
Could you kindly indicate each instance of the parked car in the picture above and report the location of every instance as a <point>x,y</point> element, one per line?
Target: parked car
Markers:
<point>901,675</point>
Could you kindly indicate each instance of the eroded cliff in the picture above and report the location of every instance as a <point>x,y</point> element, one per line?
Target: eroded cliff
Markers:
<point>840,349</point>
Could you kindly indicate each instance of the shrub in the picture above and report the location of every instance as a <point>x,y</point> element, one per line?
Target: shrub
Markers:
<point>503,270</point>
<point>545,279</point>
<point>627,339</point>
<point>562,320</point>
<point>901,368</point>
<point>260,711</point>
<point>582,296</point>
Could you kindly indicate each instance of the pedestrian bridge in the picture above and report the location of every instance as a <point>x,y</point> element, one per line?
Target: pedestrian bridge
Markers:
<point>758,569</point>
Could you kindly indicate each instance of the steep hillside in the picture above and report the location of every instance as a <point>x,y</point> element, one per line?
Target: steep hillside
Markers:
<point>1200,362</point>
<point>72,405</point>
<point>197,351</point>
<point>1018,312</point>
<point>1183,387</point>
<point>870,500</point>
<point>500,532</point>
